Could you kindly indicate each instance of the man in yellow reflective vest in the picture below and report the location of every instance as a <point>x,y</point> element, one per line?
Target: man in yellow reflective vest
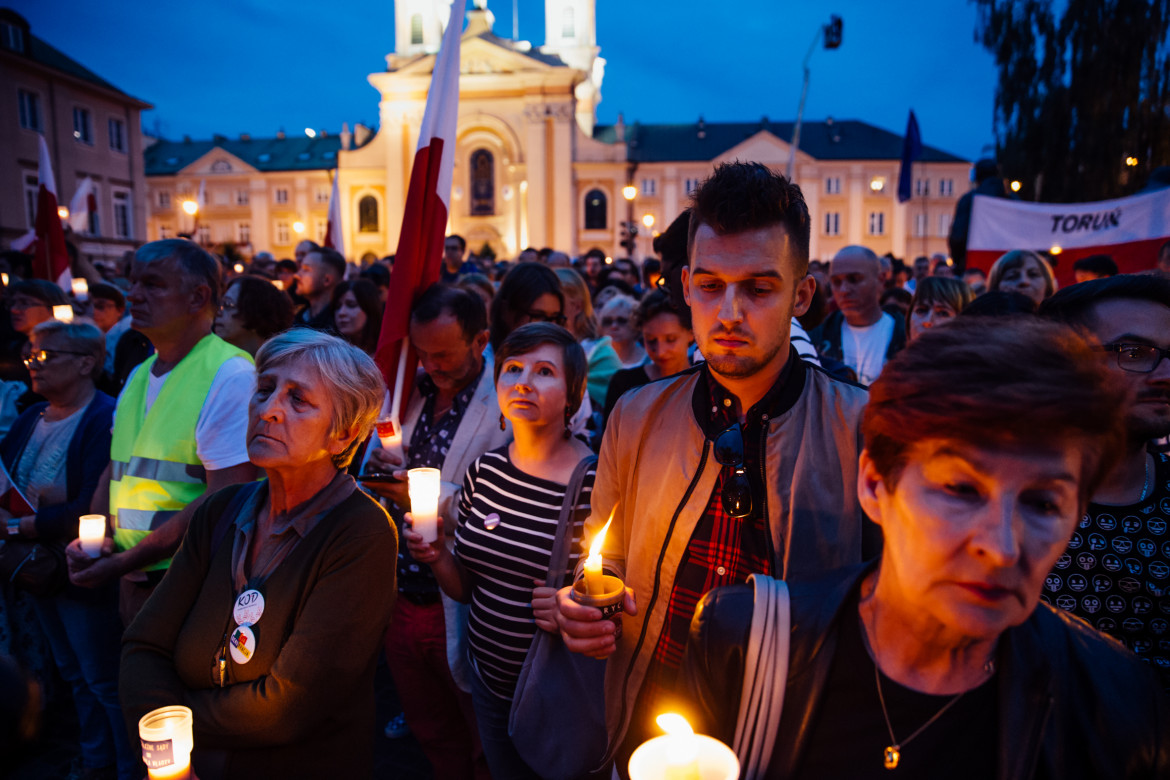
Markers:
<point>180,424</point>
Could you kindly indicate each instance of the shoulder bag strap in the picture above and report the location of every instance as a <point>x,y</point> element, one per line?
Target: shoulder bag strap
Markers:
<point>564,539</point>
<point>765,676</point>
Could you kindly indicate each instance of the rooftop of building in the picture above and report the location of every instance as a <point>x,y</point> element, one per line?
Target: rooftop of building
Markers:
<point>44,53</point>
<point>831,139</point>
<point>291,153</point>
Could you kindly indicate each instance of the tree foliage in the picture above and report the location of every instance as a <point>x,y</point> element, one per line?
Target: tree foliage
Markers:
<point>1083,85</point>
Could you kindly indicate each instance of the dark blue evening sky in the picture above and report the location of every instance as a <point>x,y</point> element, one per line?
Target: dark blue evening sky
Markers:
<point>232,66</point>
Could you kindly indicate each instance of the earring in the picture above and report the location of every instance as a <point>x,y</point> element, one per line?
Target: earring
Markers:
<point>502,426</point>
<point>568,417</point>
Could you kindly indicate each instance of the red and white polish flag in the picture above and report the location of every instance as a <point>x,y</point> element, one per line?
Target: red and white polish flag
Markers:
<point>83,204</point>
<point>51,259</point>
<point>333,234</point>
<point>424,219</point>
<point>1131,230</point>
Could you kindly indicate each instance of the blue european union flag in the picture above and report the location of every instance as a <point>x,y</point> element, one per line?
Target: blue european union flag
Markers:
<point>911,151</point>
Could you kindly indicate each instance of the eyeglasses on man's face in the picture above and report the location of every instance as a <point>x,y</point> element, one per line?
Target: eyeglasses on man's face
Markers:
<point>42,356</point>
<point>737,488</point>
<point>1138,358</point>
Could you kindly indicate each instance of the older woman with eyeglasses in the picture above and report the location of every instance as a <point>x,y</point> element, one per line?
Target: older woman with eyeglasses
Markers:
<point>983,443</point>
<point>617,322</point>
<point>269,621</point>
<point>56,453</point>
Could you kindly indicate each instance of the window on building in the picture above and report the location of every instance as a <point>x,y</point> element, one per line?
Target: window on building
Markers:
<point>833,185</point>
<point>164,232</point>
<point>221,166</point>
<point>244,232</point>
<point>203,235</point>
<point>221,197</point>
<point>649,187</point>
<point>241,197</point>
<point>946,187</point>
<point>944,224</point>
<point>282,234</point>
<point>596,210</point>
<point>11,37</point>
<point>123,222</point>
<point>877,223</point>
<point>691,185</point>
<point>31,188</point>
<point>30,109</point>
<point>280,195</point>
<point>568,24</point>
<point>322,194</point>
<point>483,183</point>
<point>164,199</point>
<point>416,29</point>
<point>368,214</point>
<point>833,223</point>
<point>321,227</point>
<point>117,135</point>
<point>920,224</point>
<point>82,125</point>
<point>922,188</point>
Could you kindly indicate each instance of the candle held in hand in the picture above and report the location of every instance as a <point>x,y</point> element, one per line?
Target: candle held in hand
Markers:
<point>390,436</point>
<point>92,531</point>
<point>63,312</point>
<point>80,289</point>
<point>424,487</point>
<point>167,741</point>
<point>594,584</point>
<point>681,754</point>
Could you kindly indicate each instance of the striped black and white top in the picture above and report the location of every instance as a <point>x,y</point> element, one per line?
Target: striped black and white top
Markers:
<point>503,559</point>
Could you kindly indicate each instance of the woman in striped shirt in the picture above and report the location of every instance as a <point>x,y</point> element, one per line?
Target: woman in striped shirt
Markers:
<point>511,502</point>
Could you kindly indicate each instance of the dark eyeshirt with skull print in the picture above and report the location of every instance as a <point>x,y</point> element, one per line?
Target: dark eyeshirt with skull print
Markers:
<point>1116,572</point>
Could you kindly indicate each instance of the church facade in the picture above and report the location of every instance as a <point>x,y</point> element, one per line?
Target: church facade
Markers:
<point>532,166</point>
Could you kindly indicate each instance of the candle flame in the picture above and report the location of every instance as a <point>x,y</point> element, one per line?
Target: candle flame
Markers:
<point>599,540</point>
<point>674,724</point>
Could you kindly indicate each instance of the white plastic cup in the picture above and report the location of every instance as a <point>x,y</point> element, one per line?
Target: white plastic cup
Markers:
<point>92,532</point>
<point>81,289</point>
<point>424,488</point>
<point>63,312</point>
<point>167,742</point>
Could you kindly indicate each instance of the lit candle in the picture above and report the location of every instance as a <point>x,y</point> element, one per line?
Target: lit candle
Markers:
<point>167,743</point>
<point>80,289</point>
<point>4,279</point>
<point>424,487</point>
<point>682,754</point>
<point>390,435</point>
<point>278,284</point>
<point>238,268</point>
<point>594,576</point>
<point>92,532</point>
<point>63,312</point>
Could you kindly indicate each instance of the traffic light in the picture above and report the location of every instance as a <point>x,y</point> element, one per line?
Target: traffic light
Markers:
<point>833,32</point>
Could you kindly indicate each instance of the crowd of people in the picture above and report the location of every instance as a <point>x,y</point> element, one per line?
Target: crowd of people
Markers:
<point>962,479</point>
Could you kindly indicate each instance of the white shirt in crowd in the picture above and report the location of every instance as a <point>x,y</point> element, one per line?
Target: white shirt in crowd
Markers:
<point>221,434</point>
<point>864,349</point>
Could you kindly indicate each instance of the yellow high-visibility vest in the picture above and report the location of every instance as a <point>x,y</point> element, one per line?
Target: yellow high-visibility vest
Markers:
<point>155,470</point>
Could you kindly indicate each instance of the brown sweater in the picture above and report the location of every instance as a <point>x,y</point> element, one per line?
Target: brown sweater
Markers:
<point>303,706</point>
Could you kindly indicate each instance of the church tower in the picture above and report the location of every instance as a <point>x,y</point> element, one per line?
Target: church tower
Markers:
<point>570,32</point>
<point>418,26</point>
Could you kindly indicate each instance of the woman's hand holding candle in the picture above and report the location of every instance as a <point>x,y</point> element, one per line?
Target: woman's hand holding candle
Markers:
<point>420,549</point>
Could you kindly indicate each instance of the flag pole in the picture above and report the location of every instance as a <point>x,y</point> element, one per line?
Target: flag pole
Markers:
<point>396,402</point>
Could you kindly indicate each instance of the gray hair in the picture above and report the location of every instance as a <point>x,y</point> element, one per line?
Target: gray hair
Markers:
<point>197,264</point>
<point>352,380</point>
<point>858,252</point>
<point>77,337</point>
<point>618,303</point>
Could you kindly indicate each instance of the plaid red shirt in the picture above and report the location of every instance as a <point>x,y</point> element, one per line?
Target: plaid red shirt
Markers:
<point>723,550</point>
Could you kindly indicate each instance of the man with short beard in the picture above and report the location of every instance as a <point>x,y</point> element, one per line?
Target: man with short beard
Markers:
<point>745,464</point>
<point>1116,571</point>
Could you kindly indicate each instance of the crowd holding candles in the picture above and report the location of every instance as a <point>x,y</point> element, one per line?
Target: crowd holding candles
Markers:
<point>792,518</point>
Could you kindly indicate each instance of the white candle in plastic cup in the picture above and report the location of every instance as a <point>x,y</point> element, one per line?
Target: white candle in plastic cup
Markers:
<point>63,312</point>
<point>80,289</point>
<point>424,502</point>
<point>92,532</point>
<point>167,742</point>
<point>683,755</point>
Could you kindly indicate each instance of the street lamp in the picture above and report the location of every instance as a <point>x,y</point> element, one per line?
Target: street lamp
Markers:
<point>298,227</point>
<point>832,35</point>
<point>1016,186</point>
<point>648,221</point>
<point>191,207</point>
<point>629,192</point>
<point>63,212</point>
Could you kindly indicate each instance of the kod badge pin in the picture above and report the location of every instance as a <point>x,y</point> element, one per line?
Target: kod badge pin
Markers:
<point>242,645</point>
<point>248,608</point>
